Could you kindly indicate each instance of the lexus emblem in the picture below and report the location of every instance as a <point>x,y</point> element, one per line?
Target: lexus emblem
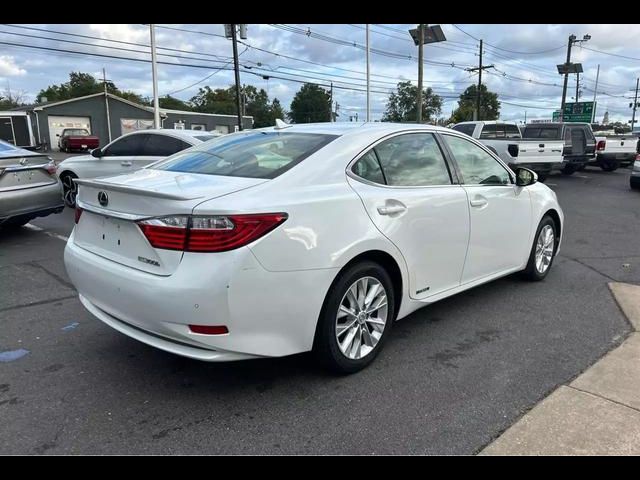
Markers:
<point>103,198</point>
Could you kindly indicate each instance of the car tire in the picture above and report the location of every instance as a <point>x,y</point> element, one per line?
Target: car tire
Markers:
<point>568,169</point>
<point>540,257</point>
<point>634,183</point>
<point>69,189</point>
<point>340,342</point>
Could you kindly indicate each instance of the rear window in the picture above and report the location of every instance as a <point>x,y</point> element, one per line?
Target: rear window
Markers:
<point>466,128</point>
<point>76,132</point>
<point>251,154</point>
<point>542,132</point>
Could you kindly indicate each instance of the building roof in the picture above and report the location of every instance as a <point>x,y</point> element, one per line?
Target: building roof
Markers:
<point>185,112</point>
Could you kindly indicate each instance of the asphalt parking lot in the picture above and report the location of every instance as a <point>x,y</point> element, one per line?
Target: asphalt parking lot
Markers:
<point>452,377</point>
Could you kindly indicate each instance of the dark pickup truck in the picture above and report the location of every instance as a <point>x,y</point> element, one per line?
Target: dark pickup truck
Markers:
<point>77,139</point>
<point>579,142</point>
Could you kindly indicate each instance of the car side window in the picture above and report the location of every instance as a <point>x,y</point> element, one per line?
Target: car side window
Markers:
<point>163,145</point>
<point>476,165</point>
<point>413,159</point>
<point>132,145</point>
<point>369,169</point>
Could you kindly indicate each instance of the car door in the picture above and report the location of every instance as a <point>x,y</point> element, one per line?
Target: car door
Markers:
<point>412,197</point>
<point>500,211</point>
<point>119,156</point>
<point>158,147</point>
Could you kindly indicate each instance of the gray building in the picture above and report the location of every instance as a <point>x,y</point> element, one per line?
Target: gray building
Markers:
<point>203,121</point>
<point>109,116</point>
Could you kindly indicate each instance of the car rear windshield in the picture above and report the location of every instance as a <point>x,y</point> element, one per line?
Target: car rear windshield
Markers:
<point>248,154</point>
<point>77,132</point>
<point>466,128</point>
<point>542,132</point>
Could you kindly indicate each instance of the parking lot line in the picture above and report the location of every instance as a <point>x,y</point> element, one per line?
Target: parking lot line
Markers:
<point>38,229</point>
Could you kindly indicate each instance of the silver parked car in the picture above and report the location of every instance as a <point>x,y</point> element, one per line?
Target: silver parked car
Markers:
<point>29,186</point>
<point>125,154</point>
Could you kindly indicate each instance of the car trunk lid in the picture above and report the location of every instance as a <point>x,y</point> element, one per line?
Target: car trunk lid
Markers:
<point>25,171</point>
<point>112,206</point>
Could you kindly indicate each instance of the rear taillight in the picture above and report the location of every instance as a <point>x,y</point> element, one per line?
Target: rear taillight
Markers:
<point>208,233</point>
<point>78,213</point>
<point>601,145</point>
<point>513,149</point>
<point>50,168</point>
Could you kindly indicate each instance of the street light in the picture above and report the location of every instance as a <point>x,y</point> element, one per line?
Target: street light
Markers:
<point>567,68</point>
<point>421,36</point>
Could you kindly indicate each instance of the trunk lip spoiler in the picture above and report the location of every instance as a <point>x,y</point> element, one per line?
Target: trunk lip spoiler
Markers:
<point>112,213</point>
<point>140,191</point>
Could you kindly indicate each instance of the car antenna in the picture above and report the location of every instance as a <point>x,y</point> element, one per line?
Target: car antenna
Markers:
<point>281,124</point>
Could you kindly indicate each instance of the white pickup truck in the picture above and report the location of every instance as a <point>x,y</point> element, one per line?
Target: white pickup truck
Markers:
<point>615,150</point>
<point>505,139</point>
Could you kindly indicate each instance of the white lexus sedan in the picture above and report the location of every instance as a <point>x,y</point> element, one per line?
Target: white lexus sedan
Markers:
<point>294,238</point>
<point>125,154</point>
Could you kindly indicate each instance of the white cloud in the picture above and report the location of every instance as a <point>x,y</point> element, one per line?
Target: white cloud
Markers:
<point>9,67</point>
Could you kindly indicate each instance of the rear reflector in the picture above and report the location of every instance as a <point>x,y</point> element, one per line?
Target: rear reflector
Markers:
<point>208,233</point>
<point>78,213</point>
<point>209,329</point>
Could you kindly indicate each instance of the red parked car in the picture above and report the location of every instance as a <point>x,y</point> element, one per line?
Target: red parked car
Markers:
<point>77,139</point>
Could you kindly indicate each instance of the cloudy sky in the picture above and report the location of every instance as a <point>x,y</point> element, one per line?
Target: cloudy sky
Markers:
<point>279,58</point>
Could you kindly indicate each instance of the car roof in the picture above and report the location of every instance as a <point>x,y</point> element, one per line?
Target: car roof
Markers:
<point>183,134</point>
<point>351,128</point>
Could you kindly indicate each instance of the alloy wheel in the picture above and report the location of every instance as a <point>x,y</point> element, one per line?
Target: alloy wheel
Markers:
<point>361,318</point>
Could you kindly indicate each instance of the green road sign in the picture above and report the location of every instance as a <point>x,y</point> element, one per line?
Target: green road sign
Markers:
<point>576,112</point>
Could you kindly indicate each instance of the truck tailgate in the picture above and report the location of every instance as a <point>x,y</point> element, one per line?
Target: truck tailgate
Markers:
<point>539,151</point>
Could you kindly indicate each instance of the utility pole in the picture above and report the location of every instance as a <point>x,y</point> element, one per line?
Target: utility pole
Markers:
<point>154,72</point>
<point>566,78</point>
<point>595,93</point>
<point>479,69</point>
<point>577,87</point>
<point>331,103</point>
<point>236,68</point>
<point>106,102</point>
<point>635,105</point>
<point>420,65</point>
<point>368,83</point>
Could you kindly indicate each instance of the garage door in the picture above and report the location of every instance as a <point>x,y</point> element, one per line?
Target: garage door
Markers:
<point>58,124</point>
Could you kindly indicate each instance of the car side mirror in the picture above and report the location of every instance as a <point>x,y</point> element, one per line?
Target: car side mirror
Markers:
<point>525,177</point>
<point>96,152</point>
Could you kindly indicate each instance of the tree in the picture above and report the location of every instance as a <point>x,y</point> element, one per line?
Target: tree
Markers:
<point>83,84</point>
<point>489,105</point>
<point>311,103</point>
<point>220,100</point>
<point>264,113</point>
<point>402,104</point>
<point>173,103</point>
<point>12,98</point>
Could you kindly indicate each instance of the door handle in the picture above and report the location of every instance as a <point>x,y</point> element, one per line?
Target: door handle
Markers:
<point>391,209</point>
<point>126,164</point>
<point>479,202</point>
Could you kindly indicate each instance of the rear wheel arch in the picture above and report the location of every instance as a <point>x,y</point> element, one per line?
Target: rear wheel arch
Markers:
<point>386,261</point>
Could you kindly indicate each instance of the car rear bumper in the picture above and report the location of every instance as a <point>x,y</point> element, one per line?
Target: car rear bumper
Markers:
<point>268,314</point>
<point>34,202</point>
